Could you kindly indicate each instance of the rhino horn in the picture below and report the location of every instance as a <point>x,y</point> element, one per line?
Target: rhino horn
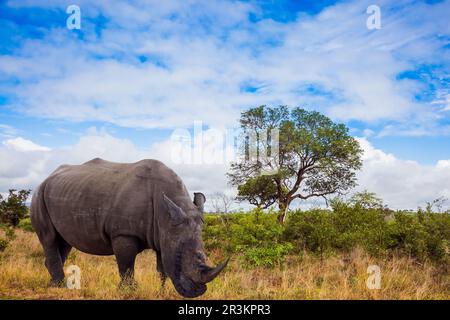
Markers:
<point>208,274</point>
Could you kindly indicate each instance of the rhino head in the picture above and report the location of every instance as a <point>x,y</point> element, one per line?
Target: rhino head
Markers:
<point>182,250</point>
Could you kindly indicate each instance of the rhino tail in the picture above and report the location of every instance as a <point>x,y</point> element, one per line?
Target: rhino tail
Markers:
<point>40,218</point>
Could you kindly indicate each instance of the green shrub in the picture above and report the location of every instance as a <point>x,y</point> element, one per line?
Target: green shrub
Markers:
<point>421,235</point>
<point>260,239</point>
<point>13,209</point>
<point>215,231</point>
<point>3,244</point>
<point>408,235</point>
<point>358,226</point>
<point>312,230</point>
<point>8,232</point>
<point>25,224</point>
<point>238,231</point>
<point>252,230</point>
<point>437,226</point>
<point>267,257</point>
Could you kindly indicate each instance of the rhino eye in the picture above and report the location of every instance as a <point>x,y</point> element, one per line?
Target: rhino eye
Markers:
<point>178,223</point>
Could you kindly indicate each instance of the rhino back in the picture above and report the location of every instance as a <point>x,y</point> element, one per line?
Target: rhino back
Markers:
<point>89,204</point>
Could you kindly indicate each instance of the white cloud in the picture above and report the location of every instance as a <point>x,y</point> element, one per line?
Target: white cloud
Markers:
<point>401,183</point>
<point>200,59</point>
<point>442,99</point>
<point>21,167</point>
<point>443,164</point>
<point>21,144</point>
<point>7,131</point>
<point>368,133</point>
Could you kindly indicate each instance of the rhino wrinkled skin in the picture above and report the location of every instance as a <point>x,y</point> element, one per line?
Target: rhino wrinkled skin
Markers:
<point>121,209</point>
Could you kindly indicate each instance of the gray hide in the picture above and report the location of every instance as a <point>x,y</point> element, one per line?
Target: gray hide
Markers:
<point>106,208</point>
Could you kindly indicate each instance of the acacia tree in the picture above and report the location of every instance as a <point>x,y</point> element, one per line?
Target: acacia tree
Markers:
<point>221,202</point>
<point>14,208</point>
<point>259,191</point>
<point>367,200</point>
<point>315,158</point>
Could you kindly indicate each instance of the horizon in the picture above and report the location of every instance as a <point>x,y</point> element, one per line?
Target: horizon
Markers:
<point>137,71</point>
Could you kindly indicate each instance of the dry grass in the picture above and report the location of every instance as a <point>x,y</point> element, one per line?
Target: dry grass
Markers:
<point>23,276</point>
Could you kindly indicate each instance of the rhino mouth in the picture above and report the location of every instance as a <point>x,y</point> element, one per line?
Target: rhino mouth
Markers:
<point>202,273</point>
<point>184,284</point>
<point>189,288</point>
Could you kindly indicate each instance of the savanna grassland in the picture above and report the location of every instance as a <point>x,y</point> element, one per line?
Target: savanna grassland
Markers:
<point>255,271</point>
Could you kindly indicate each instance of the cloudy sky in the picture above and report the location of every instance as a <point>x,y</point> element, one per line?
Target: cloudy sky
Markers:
<point>138,70</point>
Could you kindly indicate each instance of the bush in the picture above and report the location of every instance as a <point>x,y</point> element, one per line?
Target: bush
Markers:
<point>362,227</point>
<point>408,235</point>
<point>238,231</point>
<point>13,209</point>
<point>25,224</point>
<point>311,230</point>
<point>3,244</point>
<point>437,226</point>
<point>6,235</point>
<point>421,235</point>
<point>267,257</point>
<point>261,241</point>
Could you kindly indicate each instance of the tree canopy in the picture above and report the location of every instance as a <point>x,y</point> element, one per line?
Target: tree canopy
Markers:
<point>314,157</point>
<point>14,208</point>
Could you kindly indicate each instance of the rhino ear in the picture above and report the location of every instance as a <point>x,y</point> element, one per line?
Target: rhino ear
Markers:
<point>177,214</point>
<point>199,200</point>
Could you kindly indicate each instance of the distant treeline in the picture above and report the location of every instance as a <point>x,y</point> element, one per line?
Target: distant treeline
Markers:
<point>260,240</point>
<point>257,237</point>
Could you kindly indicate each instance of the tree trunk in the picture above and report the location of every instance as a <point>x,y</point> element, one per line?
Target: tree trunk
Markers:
<point>284,206</point>
<point>257,213</point>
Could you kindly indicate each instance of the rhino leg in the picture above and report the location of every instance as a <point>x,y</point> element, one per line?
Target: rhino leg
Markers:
<point>125,249</point>
<point>64,250</point>
<point>51,241</point>
<point>54,266</point>
<point>160,268</point>
<point>56,251</point>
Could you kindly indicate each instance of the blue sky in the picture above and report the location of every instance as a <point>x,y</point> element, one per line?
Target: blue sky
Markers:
<point>137,70</point>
